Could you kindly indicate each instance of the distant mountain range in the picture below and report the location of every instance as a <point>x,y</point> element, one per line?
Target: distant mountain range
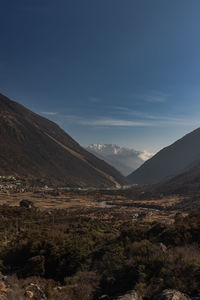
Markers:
<point>35,148</point>
<point>123,159</point>
<point>180,160</point>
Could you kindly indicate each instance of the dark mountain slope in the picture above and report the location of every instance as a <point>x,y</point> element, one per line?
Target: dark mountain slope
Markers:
<point>34,147</point>
<point>185,183</point>
<point>170,161</point>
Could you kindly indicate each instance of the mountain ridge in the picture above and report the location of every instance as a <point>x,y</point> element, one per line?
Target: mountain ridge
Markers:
<point>170,161</point>
<point>33,145</point>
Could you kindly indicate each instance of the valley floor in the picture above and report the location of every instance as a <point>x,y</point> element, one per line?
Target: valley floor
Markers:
<point>97,203</point>
<point>85,244</point>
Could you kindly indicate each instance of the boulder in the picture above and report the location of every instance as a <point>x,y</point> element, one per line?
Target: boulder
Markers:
<point>131,295</point>
<point>3,291</point>
<point>29,294</point>
<point>26,204</point>
<point>171,295</point>
<point>3,287</point>
<point>163,248</point>
<point>35,290</point>
<point>104,297</point>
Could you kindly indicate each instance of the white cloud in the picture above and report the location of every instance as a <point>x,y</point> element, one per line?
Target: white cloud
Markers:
<point>113,122</point>
<point>129,111</point>
<point>144,116</point>
<point>49,113</point>
<point>152,97</point>
<point>124,159</point>
<point>133,119</point>
<point>145,155</point>
<point>155,121</point>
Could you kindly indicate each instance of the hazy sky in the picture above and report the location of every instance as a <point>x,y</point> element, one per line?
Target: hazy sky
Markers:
<point>107,71</point>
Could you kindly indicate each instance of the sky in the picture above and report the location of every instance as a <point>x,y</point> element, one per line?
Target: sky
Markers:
<point>123,72</point>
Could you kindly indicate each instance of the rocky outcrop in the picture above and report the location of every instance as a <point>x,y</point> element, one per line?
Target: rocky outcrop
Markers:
<point>33,291</point>
<point>12,289</point>
<point>171,295</point>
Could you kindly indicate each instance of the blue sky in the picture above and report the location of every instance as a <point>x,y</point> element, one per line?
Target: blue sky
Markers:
<point>107,71</point>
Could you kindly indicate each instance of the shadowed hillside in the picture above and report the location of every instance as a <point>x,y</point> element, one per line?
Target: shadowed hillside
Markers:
<point>36,148</point>
<point>170,161</point>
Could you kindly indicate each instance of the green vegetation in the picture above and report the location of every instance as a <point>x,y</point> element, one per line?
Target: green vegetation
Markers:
<point>94,257</point>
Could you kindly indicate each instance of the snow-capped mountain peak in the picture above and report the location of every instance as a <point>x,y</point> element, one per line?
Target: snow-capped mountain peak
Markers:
<point>122,158</point>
